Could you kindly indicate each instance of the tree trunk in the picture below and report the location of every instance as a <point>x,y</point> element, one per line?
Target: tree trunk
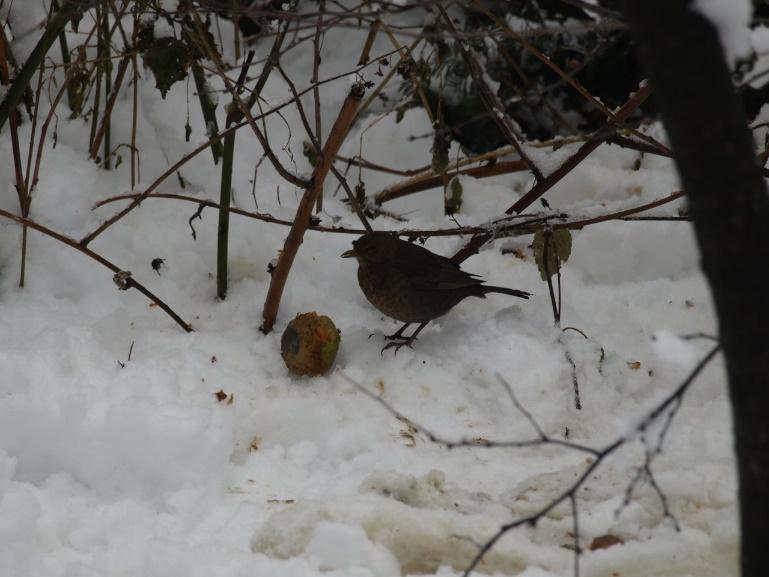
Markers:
<point>681,53</point>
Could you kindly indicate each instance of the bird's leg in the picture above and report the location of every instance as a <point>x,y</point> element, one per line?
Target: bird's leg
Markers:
<point>398,335</point>
<point>406,341</point>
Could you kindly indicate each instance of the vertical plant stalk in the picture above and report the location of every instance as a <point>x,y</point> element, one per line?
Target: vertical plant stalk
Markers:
<point>25,199</point>
<point>97,86</point>
<point>304,210</point>
<point>30,184</point>
<point>205,98</point>
<point>225,192</point>
<point>21,188</point>
<point>67,61</point>
<point>109,98</point>
<point>135,98</point>
<point>236,111</point>
<point>223,230</point>
<point>208,108</point>
<point>316,42</point>
<point>102,133</point>
<point>236,27</point>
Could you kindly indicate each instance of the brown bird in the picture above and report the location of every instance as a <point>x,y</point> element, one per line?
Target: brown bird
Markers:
<point>411,284</point>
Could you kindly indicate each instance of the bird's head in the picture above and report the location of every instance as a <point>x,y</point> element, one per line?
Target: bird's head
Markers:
<point>372,248</point>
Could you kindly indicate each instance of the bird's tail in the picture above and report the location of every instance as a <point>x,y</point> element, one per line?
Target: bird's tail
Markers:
<point>505,291</point>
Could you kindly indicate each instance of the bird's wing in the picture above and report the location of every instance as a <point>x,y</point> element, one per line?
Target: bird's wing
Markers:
<point>429,271</point>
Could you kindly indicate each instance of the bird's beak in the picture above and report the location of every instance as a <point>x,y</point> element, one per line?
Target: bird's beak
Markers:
<point>349,253</point>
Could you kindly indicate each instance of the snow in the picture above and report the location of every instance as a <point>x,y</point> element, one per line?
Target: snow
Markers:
<point>731,18</point>
<point>116,467</point>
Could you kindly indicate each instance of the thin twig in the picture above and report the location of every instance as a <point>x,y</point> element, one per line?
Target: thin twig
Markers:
<point>430,180</point>
<point>570,493</point>
<point>499,229</point>
<point>129,282</point>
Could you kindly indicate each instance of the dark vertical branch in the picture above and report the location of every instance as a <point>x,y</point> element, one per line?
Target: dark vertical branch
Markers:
<point>67,61</point>
<point>97,83</point>
<point>714,154</point>
<point>109,99</point>
<point>134,98</point>
<point>316,43</point>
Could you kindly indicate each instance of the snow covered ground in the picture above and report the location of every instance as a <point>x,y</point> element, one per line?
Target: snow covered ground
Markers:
<point>111,467</point>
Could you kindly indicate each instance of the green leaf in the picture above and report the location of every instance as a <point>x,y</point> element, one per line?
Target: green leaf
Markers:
<point>556,246</point>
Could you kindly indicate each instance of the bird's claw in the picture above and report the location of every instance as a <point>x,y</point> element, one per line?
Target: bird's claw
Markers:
<point>407,342</point>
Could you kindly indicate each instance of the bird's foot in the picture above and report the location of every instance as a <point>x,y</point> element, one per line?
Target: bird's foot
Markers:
<point>396,337</point>
<point>404,342</point>
<point>392,337</point>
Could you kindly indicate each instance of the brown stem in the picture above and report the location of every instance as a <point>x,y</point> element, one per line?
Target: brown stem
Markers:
<point>372,32</point>
<point>304,210</point>
<point>428,181</point>
<point>364,163</point>
<point>21,185</point>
